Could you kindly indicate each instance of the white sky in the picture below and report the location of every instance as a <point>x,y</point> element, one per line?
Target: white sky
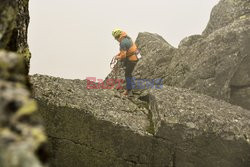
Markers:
<point>72,38</point>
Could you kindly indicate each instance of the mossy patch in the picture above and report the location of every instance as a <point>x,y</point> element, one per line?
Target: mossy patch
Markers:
<point>25,53</point>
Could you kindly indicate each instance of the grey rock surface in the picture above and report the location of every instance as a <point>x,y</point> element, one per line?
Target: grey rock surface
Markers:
<point>216,63</point>
<point>167,127</point>
<point>156,52</point>
<point>225,13</point>
<point>201,130</point>
<point>92,127</point>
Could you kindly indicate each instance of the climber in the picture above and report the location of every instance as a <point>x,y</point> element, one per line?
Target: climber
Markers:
<point>128,55</point>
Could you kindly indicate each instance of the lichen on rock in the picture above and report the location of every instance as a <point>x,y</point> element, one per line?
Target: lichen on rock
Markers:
<point>14,20</point>
<point>98,128</point>
<point>22,136</point>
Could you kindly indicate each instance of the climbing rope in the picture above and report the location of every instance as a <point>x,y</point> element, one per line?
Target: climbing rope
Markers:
<point>113,63</point>
<point>114,66</point>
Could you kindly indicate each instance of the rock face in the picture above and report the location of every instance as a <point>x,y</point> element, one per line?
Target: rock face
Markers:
<point>167,127</point>
<point>187,123</point>
<point>225,13</point>
<point>156,52</point>
<point>14,20</point>
<point>21,136</point>
<point>215,63</point>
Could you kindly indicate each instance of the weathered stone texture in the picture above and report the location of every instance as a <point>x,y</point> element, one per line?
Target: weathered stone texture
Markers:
<point>22,137</point>
<point>216,64</point>
<point>167,127</point>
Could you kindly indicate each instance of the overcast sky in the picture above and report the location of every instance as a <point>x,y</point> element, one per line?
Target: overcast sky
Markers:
<point>72,38</point>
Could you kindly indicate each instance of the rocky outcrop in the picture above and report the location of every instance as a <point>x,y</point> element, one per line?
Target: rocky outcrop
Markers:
<point>225,13</point>
<point>167,127</point>
<point>14,20</point>
<point>187,123</point>
<point>203,131</point>
<point>215,63</point>
<point>22,137</point>
<point>156,52</point>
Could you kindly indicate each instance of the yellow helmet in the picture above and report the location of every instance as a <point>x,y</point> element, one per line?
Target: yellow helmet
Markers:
<point>116,33</point>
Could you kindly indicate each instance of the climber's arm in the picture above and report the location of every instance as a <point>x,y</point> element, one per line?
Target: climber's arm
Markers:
<point>121,55</point>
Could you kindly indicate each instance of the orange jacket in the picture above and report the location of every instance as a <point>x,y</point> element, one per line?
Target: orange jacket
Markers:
<point>130,53</point>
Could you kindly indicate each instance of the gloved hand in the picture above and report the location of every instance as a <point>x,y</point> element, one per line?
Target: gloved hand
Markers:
<point>121,55</point>
<point>117,57</point>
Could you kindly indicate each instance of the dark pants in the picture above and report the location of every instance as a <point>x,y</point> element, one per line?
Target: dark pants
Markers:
<point>129,67</point>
